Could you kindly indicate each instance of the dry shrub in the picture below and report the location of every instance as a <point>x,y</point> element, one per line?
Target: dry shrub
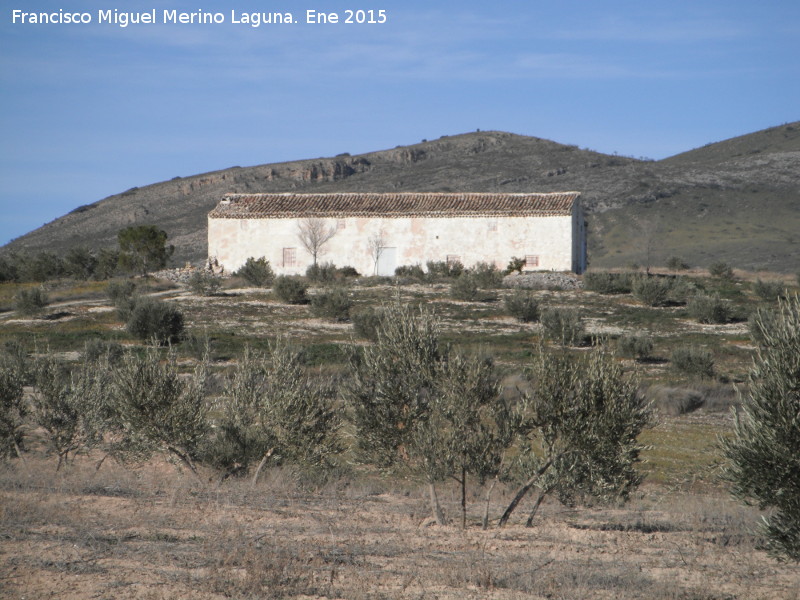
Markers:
<point>674,401</point>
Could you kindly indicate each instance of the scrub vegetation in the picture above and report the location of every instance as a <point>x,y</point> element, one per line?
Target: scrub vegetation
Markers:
<point>378,437</point>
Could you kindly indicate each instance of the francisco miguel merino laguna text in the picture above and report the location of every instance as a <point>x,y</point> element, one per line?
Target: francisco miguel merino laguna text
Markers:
<point>200,17</point>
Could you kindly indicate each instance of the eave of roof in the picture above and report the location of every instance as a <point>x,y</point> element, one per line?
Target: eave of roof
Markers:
<point>393,205</point>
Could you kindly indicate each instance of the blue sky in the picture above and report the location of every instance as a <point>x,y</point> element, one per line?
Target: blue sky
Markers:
<point>91,110</point>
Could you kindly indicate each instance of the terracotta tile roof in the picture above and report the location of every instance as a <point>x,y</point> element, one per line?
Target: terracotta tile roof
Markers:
<point>254,206</point>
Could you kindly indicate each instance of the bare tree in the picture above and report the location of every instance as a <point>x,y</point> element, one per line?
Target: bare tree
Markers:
<point>314,234</point>
<point>376,245</point>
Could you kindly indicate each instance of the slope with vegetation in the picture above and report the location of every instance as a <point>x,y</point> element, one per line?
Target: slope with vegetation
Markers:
<point>735,200</point>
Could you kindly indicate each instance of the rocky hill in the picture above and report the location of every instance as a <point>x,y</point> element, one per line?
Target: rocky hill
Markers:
<point>736,200</point>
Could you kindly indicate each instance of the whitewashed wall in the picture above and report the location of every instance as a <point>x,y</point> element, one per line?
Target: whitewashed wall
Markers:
<point>415,240</point>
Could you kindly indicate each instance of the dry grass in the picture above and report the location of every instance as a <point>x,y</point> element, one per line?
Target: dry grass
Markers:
<point>152,533</point>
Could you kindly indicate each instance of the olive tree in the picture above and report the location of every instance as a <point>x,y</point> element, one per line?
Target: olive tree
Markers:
<point>578,431</point>
<point>69,405</point>
<point>763,455</point>
<point>12,409</point>
<point>273,409</point>
<point>421,407</point>
<point>156,410</point>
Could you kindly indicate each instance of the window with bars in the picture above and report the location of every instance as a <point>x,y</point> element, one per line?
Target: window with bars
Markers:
<point>340,224</point>
<point>493,225</point>
<point>290,257</point>
<point>531,260</point>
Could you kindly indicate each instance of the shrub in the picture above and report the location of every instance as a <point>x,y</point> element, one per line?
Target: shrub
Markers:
<point>155,320</point>
<point>272,410</point>
<point>675,401</point>
<point>31,301</point>
<point>763,455</point>
<point>334,304</point>
<point>760,322</point>
<point>12,409</point>
<point>604,282</point>
<point>563,325</point>
<point>464,288</point>
<point>523,306</point>
<point>652,291</point>
<point>257,272</point>
<point>639,347</point>
<point>515,264</point>
<point>95,349</point>
<point>693,361</point>
<point>367,322</point>
<point>486,276</point>
<point>204,283</point>
<point>709,309</point>
<point>769,290</point>
<point>120,290</point>
<point>443,270</point>
<point>675,263</point>
<point>321,273</point>
<point>413,271</point>
<point>721,270</point>
<point>347,272</point>
<point>290,290</point>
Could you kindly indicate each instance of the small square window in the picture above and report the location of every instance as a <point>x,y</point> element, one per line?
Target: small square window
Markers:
<point>493,225</point>
<point>340,224</point>
<point>290,257</point>
<point>531,260</point>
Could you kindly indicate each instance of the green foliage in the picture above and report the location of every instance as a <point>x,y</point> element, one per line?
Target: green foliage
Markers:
<point>675,401</point>
<point>693,360</point>
<point>515,264</point>
<point>578,431</point>
<point>31,301</point>
<point>391,384</point>
<point>486,276</point>
<point>155,409</point>
<point>675,263</point>
<point>143,248</point>
<point>635,346</point>
<point>107,263</point>
<point>80,263</point>
<point>367,322</point>
<point>769,290</point>
<point>333,304</point>
<point>438,270</point>
<point>760,323</point>
<point>12,408</point>
<point>522,305</point>
<point>68,406</point>
<point>155,320</point>
<point>42,266</point>
<point>421,407</point>
<point>563,325</point>
<point>721,270</point>
<point>465,288</point>
<point>412,271</point>
<point>122,293</point>
<point>257,272</point>
<point>764,452</point>
<point>652,291</point>
<point>96,350</point>
<point>709,309</point>
<point>204,283</point>
<point>324,273</point>
<point>273,410</point>
<point>291,290</point>
<point>604,282</point>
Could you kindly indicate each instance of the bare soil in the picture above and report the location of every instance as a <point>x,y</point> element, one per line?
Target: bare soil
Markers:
<point>154,533</point>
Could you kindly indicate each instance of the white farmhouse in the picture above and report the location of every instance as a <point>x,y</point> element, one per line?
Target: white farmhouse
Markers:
<point>375,233</point>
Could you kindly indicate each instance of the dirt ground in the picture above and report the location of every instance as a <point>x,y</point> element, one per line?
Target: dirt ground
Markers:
<point>153,533</point>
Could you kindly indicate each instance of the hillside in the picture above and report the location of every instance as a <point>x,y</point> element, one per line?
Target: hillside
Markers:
<point>736,200</point>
